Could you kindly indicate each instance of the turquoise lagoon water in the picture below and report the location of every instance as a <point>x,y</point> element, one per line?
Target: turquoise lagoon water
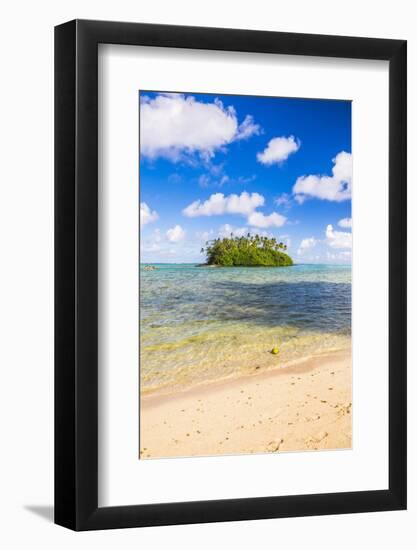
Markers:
<point>202,324</point>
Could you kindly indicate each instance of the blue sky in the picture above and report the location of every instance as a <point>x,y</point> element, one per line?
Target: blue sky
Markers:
<point>212,164</point>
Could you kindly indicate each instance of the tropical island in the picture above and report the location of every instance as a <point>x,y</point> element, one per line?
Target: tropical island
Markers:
<point>250,251</point>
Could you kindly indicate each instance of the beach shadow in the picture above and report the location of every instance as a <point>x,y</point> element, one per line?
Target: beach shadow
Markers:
<point>44,512</point>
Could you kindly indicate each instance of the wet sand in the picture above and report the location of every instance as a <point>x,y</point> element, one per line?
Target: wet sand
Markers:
<point>302,407</point>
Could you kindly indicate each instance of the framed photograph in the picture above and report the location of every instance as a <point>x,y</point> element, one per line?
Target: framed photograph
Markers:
<point>230,254</point>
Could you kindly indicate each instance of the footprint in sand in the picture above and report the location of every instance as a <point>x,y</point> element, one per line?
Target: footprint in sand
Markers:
<point>273,446</point>
<point>313,441</point>
<point>311,418</point>
<point>344,409</point>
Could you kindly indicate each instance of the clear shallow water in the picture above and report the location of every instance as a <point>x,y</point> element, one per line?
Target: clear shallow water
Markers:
<point>200,324</point>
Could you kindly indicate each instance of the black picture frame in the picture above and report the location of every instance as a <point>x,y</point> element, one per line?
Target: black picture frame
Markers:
<point>76,273</point>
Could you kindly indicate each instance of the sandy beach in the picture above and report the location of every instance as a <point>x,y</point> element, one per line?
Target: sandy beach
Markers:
<point>302,407</point>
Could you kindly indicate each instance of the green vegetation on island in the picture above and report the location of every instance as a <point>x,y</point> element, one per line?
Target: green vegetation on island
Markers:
<point>252,250</point>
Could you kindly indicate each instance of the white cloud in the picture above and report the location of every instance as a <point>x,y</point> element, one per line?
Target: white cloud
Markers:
<point>343,256</point>
<point>147,215</point>
<point>175,178</point>
<point>306,244</point>
<point>258,219</point>
<point>338,239</point>
<point>226,229</point>
<point>218,204</point>
<point>346,223</point>
<point>174,125</point>
<point>215,170</point>
<point>151,243</point>
<point>156,236</point>
<point>243,180</point>
<point>175,234</point>
<point>278,150</point>
<point>244,204</point>
<point>283,200</point>
<point>150,247</point>
<point>157,247</point>
<point>248,128</point>
<point>332,188</point>
<point>204,235</point>
<point>205,181</point>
